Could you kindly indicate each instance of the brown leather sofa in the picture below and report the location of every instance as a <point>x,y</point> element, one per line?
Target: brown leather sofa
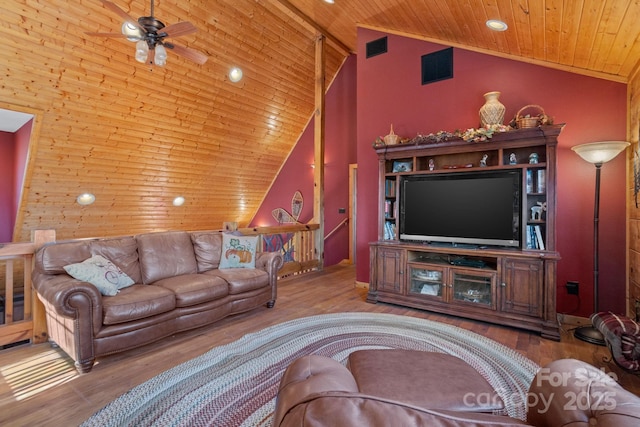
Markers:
<point>412,388</point>
<point>178,286</point>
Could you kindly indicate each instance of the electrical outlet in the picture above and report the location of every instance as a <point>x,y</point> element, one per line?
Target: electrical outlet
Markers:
<point>572,288</point>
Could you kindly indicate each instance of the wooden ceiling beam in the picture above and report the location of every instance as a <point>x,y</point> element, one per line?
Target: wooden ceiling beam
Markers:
<point>286,6</point>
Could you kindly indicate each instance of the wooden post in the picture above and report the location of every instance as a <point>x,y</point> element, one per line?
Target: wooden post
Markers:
<point>318,178</point>
<point>40,334</point>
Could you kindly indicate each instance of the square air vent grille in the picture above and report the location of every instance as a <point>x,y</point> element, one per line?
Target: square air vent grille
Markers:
<point>437,66</point>
<point>377,47</point>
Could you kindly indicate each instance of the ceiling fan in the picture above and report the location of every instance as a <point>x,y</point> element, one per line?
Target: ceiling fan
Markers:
<point>149,35</point>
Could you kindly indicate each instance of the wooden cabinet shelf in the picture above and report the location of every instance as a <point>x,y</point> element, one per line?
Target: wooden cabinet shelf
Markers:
<point>510,286</point>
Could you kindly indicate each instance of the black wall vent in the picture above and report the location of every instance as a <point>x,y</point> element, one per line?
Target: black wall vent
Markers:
<point>437,66</point>
<point>377,47</point>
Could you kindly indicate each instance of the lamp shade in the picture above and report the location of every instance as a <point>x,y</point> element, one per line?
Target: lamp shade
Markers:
<point>600,152</point>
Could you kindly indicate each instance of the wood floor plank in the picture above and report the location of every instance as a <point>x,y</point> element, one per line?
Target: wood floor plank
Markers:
<point>39,385</point>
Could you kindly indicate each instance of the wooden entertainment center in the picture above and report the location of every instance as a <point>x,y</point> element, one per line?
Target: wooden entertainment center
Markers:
<point>513,286</point>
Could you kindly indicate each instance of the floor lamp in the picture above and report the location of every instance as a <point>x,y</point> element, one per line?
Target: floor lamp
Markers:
<point>597,153</point>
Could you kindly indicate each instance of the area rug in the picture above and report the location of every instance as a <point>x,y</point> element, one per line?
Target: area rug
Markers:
<point>236,384</point>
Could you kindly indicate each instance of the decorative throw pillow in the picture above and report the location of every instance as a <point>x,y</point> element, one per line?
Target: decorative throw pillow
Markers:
<point>101,273</point>
<point>630,346</point>
<point>238,251</point>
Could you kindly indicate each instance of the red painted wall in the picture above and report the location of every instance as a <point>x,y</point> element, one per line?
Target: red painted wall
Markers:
<point>22,138</point>
<point>7,197</point>
<point>340,151</point>
<point>389,91</point>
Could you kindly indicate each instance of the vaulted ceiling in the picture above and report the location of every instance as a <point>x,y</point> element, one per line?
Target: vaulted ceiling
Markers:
<point>137,136</point>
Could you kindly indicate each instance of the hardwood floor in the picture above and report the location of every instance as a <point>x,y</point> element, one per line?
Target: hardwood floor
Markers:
<point>39,385</point>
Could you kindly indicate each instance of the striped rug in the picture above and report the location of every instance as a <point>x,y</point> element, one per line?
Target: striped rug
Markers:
<point>236,384</point>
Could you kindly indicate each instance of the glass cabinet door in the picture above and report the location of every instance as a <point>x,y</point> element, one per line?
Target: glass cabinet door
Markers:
<point>474,288</point>
<point>427,281</point>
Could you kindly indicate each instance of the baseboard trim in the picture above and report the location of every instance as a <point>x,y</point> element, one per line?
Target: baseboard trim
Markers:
<point>364,285</point>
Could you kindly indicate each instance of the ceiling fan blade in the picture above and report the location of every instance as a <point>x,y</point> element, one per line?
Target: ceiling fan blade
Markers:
<point>120,35</point>
<point>185,52</point>
<point>179,29</point>
<point>122,14</point>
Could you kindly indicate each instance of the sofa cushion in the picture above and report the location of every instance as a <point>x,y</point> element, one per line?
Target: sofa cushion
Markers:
<point>101,273</point>
<point>137,302</point>
<point>122,251</point>
<point>242,279</point>
<point>416,377</point>
<point>207,246</point>
<point>193,289</point>
<point>53,257</point>
<point>165,254</point>
<point>238,251</point>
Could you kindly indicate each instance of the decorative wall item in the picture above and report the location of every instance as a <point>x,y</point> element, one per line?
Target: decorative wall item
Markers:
<point>492,112</point>
<point>296,205</point>
<point>284,217</point>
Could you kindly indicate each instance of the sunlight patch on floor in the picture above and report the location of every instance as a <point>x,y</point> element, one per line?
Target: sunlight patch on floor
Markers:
<point>35,374</point>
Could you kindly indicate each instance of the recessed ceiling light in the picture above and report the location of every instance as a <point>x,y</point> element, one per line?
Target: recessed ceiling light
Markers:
<point>85,199</point>
<point>329,1</point>
<point>178,201</point>
<point>235,74</point>
<point>496,25</point>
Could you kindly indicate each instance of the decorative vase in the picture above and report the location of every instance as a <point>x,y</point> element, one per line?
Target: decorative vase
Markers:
<point>492,112</point>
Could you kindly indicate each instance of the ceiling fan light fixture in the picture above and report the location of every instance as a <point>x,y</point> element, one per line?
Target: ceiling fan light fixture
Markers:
<point>132,32</point>
<point>497,25</point>
<point>142,51</point>
<point>235,74</point>
<point>160,56</point>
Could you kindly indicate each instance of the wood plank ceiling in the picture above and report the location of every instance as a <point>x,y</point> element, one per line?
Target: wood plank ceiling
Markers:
<point>137,136</point>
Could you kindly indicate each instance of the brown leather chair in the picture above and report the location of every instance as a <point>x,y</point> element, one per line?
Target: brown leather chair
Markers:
<point>319,391</point>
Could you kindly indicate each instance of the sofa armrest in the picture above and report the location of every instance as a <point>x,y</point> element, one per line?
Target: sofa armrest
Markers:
<point>309,375</point>
<point>572,392</point>
<point>271,262</point>
<point>74,314</point>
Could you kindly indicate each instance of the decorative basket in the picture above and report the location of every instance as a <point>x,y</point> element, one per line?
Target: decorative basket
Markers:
<point>530,121</point>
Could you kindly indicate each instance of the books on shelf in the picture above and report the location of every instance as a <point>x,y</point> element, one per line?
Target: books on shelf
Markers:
<point>534,239</point>
<point>390,187</point>
<point>389,230</point>
<point>388,209</point>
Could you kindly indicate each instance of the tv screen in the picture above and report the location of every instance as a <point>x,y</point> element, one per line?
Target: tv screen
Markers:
<point>477,208</point>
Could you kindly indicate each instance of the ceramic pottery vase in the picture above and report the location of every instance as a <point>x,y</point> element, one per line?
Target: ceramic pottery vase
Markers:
<point>492,112</point>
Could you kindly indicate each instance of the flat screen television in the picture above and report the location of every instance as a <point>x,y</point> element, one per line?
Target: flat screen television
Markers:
<point>469,208</point>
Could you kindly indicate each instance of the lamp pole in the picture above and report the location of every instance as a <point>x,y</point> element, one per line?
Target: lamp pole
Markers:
<point>596,153</point>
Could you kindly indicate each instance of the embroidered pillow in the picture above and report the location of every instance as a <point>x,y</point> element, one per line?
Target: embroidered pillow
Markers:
<point>101,273</point>
<point>238,251</point>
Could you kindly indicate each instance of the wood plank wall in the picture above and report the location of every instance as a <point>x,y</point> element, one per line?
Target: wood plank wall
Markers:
<point>137,136</point>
